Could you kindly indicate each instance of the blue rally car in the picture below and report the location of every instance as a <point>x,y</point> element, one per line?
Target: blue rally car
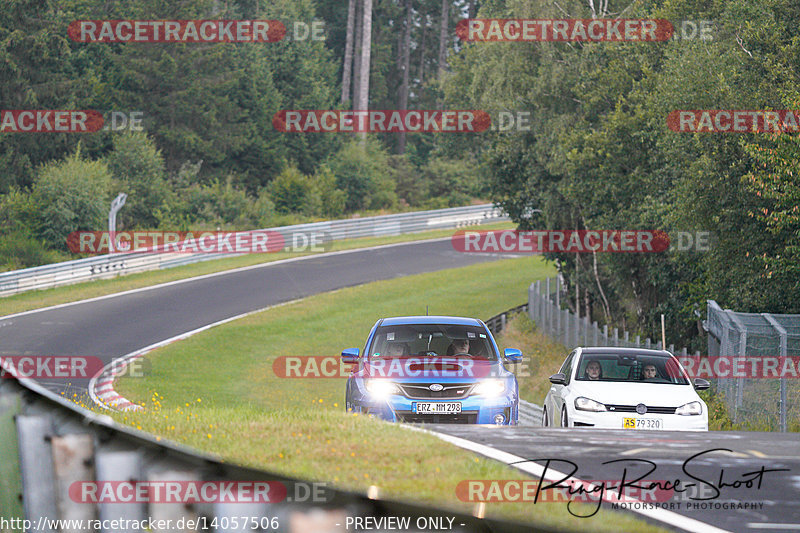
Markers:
<point>434,369</point>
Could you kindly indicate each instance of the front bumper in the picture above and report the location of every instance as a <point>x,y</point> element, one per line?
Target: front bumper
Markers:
<point>474,409</point>
<point>609,420</point>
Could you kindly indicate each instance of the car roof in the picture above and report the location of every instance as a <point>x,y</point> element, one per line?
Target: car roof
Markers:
<point>425,319</point>
<point>612,350</point>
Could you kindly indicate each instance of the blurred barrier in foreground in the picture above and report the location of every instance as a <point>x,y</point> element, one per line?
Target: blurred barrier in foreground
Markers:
<point>117,264</point>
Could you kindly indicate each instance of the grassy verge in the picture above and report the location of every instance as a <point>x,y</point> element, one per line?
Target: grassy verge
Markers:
<point>91,289</point>
<point>217,391</point>
<point>543,356</point>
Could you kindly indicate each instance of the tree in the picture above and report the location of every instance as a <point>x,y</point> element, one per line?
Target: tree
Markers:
<point>138,170</point>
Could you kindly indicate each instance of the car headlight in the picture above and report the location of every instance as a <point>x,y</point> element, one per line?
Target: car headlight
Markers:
<point>586,404</point>
<point>490,387</point>
<point>381,388</point>
<point>691,408</point>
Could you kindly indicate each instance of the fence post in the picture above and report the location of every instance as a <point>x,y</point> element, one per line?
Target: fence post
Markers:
<point>626,338</point>
<point>616,336</point>
<point>548,308</point>
<point>531,304</point>
<point>566,328</point>
<point>638,341</point>
<point>742,352</point>
<point>557,310</point>
<point>647,343</point>
<point>596,331</point>
<point>605,334</point>
<point>784,352</point>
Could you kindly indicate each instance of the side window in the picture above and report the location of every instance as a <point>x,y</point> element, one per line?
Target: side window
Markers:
<point>566,368</point>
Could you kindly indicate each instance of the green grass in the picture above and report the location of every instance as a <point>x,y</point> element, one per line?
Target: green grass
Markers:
<point>217,391</point>
<point>91,289</point>
<point>543,356</point>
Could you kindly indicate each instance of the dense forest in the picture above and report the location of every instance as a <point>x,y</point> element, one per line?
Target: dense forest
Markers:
<point>598,154</point>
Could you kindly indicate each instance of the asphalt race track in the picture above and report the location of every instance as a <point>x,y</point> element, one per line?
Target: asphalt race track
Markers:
<point>111,327</point>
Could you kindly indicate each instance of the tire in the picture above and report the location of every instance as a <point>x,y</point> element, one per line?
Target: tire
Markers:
<point>564,419</point>
<point>545,422</point>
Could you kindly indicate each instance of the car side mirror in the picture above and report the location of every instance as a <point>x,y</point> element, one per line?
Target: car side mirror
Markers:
<point>701,384</point>
<point>512,355</point>
<point>350,356</point>
<point>558,379</point>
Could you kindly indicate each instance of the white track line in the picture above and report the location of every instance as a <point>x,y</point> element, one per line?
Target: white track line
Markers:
<point>521,463</point>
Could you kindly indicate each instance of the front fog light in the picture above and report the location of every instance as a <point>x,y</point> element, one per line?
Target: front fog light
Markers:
<point>691,408</point>
<point>499,419</point>
<point>490,387</point>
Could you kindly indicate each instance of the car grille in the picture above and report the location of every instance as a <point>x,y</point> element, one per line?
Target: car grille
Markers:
<point>414,418</point>
<point>451,391</point>
<point>632,409</point>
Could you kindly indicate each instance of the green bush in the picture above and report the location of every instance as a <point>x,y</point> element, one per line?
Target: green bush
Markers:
<point>67,196</point>
<point>363,173</point>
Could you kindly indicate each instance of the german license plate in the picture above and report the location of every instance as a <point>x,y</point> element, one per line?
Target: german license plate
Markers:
<point>436,408</point>
<point>642,423</point>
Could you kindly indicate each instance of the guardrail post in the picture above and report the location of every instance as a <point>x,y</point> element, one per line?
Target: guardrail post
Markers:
<point>10,476</point>
<point>73,462</point>
<point>36,466</point>
<point>120,466</point>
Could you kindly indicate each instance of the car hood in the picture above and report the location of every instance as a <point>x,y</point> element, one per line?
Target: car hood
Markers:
<point>651,394</point>
<point>425,369</point>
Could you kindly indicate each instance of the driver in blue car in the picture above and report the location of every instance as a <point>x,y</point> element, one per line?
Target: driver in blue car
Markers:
<point>459,347</point>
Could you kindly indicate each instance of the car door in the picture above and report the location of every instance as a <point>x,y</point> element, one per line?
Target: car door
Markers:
<point>558,392</point>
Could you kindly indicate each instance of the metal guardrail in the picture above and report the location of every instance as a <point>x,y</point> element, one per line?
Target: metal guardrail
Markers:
<point>497,323</point>
<point>112,265</point>
<point>49,444</point>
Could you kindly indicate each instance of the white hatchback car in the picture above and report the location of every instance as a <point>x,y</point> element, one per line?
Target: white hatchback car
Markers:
<point>625,388</point>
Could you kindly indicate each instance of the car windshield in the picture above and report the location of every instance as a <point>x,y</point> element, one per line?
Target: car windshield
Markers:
<point>432,340</point>
<point>639,368</point>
